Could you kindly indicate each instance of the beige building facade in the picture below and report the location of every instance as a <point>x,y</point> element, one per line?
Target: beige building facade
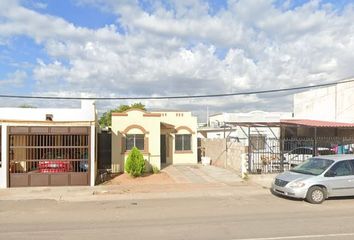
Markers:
<point>163,137</point>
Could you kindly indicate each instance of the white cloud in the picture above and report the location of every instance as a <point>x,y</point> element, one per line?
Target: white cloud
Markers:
<point>39,5</point>
<point>183,50</point>
<point>14,80</point>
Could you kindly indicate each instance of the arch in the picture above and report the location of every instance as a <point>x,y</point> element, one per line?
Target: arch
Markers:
<point>185,128</point>
<point>135,126</point>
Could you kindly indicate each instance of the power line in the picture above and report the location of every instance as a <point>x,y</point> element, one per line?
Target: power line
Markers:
<point>181,96</point>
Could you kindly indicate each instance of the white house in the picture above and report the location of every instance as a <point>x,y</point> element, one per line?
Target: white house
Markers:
<point>222,125</point>
<point>48,146</point>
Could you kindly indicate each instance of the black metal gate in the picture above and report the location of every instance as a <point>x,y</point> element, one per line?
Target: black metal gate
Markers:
<point>104,151</point>
<point>272,155</point>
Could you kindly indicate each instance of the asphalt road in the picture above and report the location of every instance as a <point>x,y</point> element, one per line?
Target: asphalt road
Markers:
<point>261,217</point>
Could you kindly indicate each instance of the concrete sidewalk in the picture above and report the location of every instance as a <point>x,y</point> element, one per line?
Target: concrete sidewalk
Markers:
<point>109,193</point>
<point>263,180</point>
<point>188,181</point>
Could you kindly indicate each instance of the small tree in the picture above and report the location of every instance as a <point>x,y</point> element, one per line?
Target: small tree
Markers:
<point>26,106</point>
<point>106,118</point>
<point>135,164</point>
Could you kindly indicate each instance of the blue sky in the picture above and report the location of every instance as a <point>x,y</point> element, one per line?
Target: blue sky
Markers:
<point>79,14</point>
<point>128,48</point>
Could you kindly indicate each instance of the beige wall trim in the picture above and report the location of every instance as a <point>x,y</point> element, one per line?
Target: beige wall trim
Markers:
<point>115,114</point>
<point>183,152</point>
<point>144,152</point>
<point>135,126</point>
<point>47,122</point>
<point>151,115</point>
<point>185,128</point>
<point>145,113</point>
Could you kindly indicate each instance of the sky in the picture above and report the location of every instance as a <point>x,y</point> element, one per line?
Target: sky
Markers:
<point>141,48</point>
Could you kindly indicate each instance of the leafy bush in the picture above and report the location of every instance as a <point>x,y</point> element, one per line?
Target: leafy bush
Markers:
<point>135,164</point>
<point>155,169</point>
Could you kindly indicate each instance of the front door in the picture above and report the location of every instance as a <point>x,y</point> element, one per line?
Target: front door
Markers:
<point>163,149</point>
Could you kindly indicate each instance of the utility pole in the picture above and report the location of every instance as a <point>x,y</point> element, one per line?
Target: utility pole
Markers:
<point>225,145</point>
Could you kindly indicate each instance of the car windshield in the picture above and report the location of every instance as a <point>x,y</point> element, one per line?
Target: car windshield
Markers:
<point>313,166</point>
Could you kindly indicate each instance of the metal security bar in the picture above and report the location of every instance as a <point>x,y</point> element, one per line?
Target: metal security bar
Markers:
<point>265,155</point>
<point>48,153</point>
<point>270,155</point>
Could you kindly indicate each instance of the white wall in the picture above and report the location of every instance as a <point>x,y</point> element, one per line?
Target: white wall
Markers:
<point>334,103</point>
<point>93,158</point>
<point>86,115</point>
<point>4,162</point>
<point>240,133</point>
<point>87,112</point>
<point>254,116</point>
<point>316,104</point>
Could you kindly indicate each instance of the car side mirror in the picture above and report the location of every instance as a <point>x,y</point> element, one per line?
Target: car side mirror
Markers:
<point>331,173</point>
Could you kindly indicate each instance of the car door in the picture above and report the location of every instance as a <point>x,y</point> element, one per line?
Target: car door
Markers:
<point>339,179</point>
<point>352,177</point>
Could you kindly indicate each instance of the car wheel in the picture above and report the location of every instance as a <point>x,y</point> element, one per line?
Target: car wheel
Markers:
<point>316,195</point>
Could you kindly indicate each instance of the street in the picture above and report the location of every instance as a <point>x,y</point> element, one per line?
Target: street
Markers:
<point>243,216</point>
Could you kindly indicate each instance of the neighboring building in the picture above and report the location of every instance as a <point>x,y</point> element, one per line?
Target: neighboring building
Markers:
<point>48,147</point>
<point>334,103</point>
<point>219,119</point>
<point>223,125</point>
<point>164,137</point>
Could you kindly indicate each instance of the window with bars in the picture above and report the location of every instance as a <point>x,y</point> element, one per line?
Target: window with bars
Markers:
<point>135,140</point>
<point>257,142</point>
<point>183,142</point>
<point>48,153</point>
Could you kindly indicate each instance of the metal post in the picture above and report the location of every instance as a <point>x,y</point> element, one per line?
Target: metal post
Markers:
<point>4,170</point>
<point>249,149</point>
<point>315,143</point>
<point>281,152</point>
<point>92,155</point>
<point>225,164</point>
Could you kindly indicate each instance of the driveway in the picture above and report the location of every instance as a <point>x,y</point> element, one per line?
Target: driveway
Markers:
<point>201,174</point>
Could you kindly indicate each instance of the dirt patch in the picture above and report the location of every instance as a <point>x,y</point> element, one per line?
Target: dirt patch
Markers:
<point>125,179</point>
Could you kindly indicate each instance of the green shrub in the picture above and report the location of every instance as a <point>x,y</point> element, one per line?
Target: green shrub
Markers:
<point>155,169</point>
<point>135,164</point>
